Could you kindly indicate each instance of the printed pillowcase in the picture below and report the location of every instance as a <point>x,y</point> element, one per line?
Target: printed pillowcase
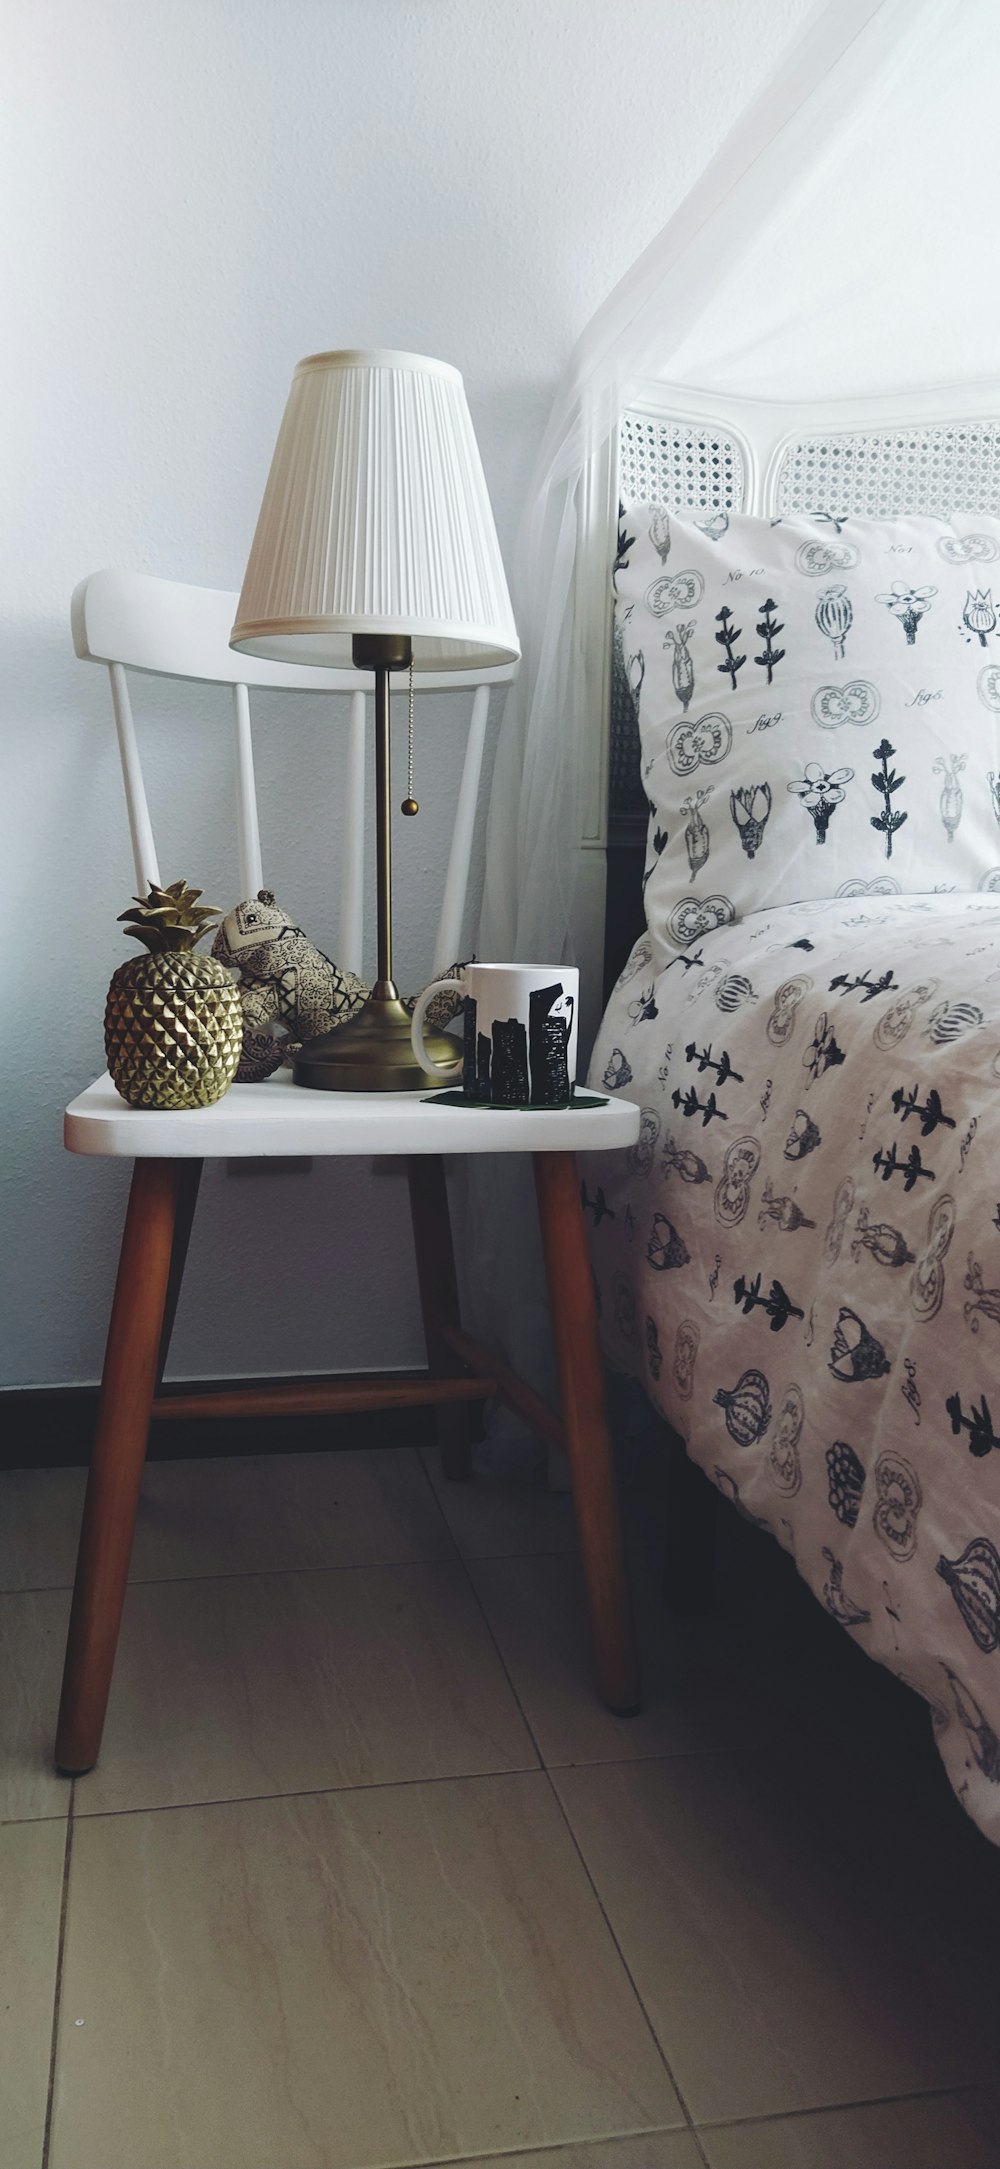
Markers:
<point>818,703</point>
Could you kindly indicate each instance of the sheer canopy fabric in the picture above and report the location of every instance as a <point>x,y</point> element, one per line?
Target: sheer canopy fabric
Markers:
<point>855,188</point>
<point>836,243</point>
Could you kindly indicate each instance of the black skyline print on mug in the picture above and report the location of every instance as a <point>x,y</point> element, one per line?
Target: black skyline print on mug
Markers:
<point>518,1066</point>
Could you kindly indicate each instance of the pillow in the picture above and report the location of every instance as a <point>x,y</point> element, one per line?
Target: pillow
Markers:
<point>818,704</point>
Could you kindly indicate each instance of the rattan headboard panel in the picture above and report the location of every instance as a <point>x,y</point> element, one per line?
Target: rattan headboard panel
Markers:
<point>952,468</point>
<point>692,467</point>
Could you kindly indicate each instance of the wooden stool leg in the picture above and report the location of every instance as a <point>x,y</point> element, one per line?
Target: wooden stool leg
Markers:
<point>588,1440</point>
<point>188,1180</point>
<point>116,1462</point>
<point>439,1303</point>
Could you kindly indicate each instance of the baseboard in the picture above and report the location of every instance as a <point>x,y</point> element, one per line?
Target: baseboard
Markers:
<point>47,1427</point>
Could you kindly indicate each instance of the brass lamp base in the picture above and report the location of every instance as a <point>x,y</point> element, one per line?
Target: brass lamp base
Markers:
<point>373,1052</point>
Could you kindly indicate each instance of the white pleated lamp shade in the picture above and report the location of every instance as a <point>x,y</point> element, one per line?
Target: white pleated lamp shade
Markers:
<point>376,519</point>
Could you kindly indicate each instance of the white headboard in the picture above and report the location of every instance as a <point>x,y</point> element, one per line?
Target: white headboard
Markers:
<point>936,451</point>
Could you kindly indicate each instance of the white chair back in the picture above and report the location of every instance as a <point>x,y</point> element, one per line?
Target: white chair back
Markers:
<point>134,621</point>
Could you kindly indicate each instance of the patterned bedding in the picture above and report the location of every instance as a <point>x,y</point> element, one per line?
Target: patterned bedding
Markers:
<point>800,1259</point>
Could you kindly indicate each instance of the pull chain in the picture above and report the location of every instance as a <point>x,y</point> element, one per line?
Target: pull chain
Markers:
<point>410,804</point>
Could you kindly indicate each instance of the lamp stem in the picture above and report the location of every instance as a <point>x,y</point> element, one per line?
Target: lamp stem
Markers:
<point>372,1051</point>
<point>382,652</point>
<point>384,989</point>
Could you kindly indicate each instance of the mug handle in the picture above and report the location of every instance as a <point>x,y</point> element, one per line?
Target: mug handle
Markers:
<point>441,1070</point>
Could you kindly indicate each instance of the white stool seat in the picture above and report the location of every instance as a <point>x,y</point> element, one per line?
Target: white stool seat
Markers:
<point>280,1117</point>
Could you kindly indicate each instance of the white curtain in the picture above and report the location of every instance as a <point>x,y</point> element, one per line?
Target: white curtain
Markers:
<point>839,240</point>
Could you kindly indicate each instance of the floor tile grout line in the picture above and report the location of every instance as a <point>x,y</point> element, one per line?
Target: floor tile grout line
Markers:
<point>685,2111</point>
<point>57,1995</point>
<point>390,1784</point>
<point>314,1792</point>
<point>247,1574</point>
<point>689,2121</point>
<point>548,2146</point>
<point>477,1599</point>
<point>834,2108</point>
<point>657,2043</point>
<point>454,1557</point>
<point>17,1822</point>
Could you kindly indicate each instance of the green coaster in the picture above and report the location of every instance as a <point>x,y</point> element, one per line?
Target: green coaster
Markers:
<point>458,1099</point>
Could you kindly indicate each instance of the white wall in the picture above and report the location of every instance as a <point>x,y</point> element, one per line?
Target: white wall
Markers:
<point>203,191</point>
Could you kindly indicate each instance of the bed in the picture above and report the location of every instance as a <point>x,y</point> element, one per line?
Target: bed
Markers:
<point>800,1258</point>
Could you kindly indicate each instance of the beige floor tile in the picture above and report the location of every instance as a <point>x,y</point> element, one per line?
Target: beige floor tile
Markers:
<point>39,1527</point>
<point>270,1512</point>
<point>290,1682</point>
<point>253,1514</point>
<point>702,1684</point>
<point>942,2131</point>
<point>344,1980</point>
<point>491,1519</point>
<point>653,2150</point>
<point>32,1645</point>
<point>31,1872</point>
<point>793,1947</point>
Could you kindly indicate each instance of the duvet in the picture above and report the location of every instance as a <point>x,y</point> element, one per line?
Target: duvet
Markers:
<point>800,1259</point>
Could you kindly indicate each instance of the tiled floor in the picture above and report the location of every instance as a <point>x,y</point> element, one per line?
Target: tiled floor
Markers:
<point>366,1876</point>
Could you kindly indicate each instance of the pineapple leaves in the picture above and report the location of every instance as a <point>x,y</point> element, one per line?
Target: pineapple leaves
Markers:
<point>168,918</point>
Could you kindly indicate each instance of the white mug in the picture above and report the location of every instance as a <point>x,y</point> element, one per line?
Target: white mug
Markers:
<point>520,1032</point>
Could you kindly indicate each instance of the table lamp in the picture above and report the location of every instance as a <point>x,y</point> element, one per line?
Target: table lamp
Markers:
<point>376,545</point>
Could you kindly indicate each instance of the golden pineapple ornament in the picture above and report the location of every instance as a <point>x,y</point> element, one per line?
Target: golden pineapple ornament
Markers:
<point>173,1026</point>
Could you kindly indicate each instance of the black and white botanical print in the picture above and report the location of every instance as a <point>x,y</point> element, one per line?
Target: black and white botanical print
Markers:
<point>659,534</point>
<point>715,526</point>
<point>803,1137</point>
<point>821,789</point>
<point>835,616</point>
<point>839,1605</point>
<point>950,766</point>
<point>768,628</point>
<point>908,605</point>
<point>887,1245</point>
<point>697,841</point>
<point>750,807</point>
<point>819,558</point>
<point>837,1203</point>
<point>682,667</point>
<point>733,989</point>
<point>979,615</point>
<point>886,781</point>
<point>747,1407</point>
<point>983,1302</point>
<point>678,591</point>
<point>617,1073</point>
<point>625,541</point>
<point>968,549</point>
<point>951,1020</point>
<point>693,917</point>
<point>665,1248</point>
<point>898,1501</point>
<point>856,1356</point>
<point>856,702</point>
<point>988,687</point>
<point>846,1479</point>
<point>974,1581</point>
<point>699,745</point>
<point>727,636</point>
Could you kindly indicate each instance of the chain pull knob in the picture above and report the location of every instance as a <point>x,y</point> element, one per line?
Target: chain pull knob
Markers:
<point>410,805</point>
